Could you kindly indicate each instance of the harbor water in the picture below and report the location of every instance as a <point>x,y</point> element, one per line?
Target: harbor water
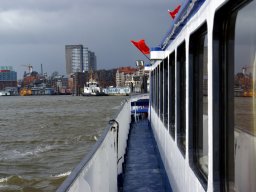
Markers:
<point>42,138</point>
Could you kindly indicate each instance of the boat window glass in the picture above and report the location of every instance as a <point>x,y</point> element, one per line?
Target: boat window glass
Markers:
<point>244,97</point>
<point>152,88</point>
<point>172,94</point>
<point>165,96</point>
<point>181,97</point>
<point>155,88</point>
<point>199,103</point>
<point>158,90</point>
<point>161,91</point>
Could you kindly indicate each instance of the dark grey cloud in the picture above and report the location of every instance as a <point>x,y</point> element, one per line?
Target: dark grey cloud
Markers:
<point>36,31</point>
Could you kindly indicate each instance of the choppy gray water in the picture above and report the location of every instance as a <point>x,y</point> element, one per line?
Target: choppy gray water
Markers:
<point>42,138</point>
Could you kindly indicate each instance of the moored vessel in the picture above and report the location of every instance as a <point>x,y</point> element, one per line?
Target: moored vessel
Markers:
<point>92,89</point>
<point>118,91</point>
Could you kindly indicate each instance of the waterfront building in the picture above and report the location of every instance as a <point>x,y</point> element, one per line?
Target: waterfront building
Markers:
<point>135,78</point>
<point>90,61</point>
<point>74,58</point>
<point>79,59</point>
<point>60,84</point>
<point>8,77</point>
<point>124,76</point>
<point>77,81</point>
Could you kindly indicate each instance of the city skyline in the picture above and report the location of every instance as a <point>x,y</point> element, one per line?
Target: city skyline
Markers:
<point>79,59</point>
<point>36,32</point>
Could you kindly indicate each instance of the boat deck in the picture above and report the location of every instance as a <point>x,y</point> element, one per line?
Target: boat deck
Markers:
<point>143,169</point>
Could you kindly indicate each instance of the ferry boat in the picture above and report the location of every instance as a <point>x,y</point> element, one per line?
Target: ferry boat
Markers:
<point>5,93</point>
<point>92,89</point>
<point>204,132</point>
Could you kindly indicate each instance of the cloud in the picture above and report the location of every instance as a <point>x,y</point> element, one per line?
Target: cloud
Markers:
<point>42,28</point>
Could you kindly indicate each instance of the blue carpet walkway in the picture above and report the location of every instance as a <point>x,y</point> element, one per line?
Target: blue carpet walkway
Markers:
<point>142,171</point>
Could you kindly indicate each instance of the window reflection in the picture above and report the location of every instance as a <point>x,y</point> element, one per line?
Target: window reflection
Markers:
<point>203,141</point>
<point>172,95</point>
<point>181,97</point>
<point>165,96</point>
<point>198,53</point>
<point>244,99</point>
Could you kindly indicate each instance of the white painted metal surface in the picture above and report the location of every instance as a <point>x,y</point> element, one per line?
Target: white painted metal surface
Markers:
<point>99,169</point>
<point>181,176</point>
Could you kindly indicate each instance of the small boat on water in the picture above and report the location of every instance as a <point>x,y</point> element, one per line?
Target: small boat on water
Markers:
<point>5,93</point>
<point>92,89</point>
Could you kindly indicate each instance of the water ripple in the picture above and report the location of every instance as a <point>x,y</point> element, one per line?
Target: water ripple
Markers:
<point>43,138</point>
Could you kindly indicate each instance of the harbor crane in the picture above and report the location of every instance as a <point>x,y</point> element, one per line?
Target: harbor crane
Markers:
<point>29,67</point>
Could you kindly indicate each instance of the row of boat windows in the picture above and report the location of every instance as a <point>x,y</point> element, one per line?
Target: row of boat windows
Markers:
<point>163,101</point>
<point>233,97</point>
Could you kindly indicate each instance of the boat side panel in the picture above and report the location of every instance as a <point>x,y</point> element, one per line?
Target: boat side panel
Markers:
<point>176,166</point>
<point>181,176</point>
<point>99,169</point>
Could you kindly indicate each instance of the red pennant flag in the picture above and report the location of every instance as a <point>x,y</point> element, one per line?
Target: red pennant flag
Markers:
<point>141,45</point>
<point>174,12</point>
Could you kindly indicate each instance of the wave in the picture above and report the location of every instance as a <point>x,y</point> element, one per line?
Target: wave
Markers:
<point>18,183</point>
<point>12,180</point>
<point>4,180</point>
<point>18,154</point>
<point>62,174</point>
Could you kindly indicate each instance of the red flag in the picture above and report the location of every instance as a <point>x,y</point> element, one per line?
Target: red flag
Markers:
<point>174,12</point>
<point>141,45</point>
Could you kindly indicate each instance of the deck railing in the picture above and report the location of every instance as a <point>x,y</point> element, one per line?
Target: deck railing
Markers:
<point>99,169</point>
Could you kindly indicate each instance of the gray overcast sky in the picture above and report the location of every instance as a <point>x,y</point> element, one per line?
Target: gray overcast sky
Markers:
<point>36,31</point>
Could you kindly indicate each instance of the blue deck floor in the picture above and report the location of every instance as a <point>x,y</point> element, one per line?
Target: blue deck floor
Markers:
<point>143,168</point>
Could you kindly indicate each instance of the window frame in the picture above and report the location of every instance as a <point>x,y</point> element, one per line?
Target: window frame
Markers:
<point>195,103</point>
<point>165,92</point>
<point>161,88</point>
<point>171,93</point>
<point>223,79</point>
<point>181,97</point>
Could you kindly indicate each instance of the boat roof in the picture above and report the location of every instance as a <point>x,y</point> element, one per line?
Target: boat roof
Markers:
<point>187,10</point>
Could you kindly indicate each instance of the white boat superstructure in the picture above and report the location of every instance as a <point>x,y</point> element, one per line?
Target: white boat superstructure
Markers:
<point>5,93</point>
<point>205,131</point>
<point>91,88</point>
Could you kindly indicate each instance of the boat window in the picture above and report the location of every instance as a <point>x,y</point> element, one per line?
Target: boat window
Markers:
<point>161,90</point>
<point>199,103</point>
<point>165,96</point>
<point>152,88</point>
<point>181,97</point>
<point>157,90</point>
<point>235,53</point>
<point>244,97</point>
<point>172,95</point>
